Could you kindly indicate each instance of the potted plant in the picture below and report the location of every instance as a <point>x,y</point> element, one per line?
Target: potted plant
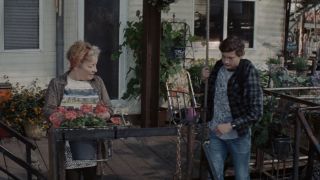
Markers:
<point>23,111</point>
<point>301,66</point>
<point>5,95</point>
<point>271,133</point>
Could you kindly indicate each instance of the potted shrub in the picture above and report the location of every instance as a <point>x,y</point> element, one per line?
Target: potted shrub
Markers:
<point>23,111</point>
<point>301,66</point>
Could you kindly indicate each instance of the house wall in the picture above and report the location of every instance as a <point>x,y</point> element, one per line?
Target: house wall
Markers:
<point>25,66</point>
<point>269,27</point>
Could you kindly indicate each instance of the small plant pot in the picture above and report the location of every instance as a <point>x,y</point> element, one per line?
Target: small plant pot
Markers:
<point>4,133</point>
<point>83,150</point>
<point>34,131</point>
<point>281,147</point>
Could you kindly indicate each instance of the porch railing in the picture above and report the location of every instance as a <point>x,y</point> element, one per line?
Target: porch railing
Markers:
<point>26,164</point>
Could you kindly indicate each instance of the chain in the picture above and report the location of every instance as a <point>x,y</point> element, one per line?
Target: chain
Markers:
<point>178,159</point>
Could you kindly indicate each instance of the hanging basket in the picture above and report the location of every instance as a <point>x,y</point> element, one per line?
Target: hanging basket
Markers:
<point>34,131</point>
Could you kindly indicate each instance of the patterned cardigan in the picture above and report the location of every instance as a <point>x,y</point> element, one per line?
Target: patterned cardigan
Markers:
<point>244,93</point>
<point>54,93</point>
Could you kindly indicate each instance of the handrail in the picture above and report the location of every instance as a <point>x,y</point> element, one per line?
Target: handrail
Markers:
<point>21,162</point>
<point>18,136</point>
<point>308,130</point>
<point>315,145</point>
<point>28,144</point>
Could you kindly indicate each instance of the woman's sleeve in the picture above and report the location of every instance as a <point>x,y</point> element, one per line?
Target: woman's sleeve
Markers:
<point>105,96</point>
<point>51,99</point>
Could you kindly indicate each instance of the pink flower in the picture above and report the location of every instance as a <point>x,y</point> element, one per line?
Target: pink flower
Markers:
<point>100,108</point>
<point>55,118</point>
<point>70,115</point>
<point>61,109</point>
<point>86,108</point>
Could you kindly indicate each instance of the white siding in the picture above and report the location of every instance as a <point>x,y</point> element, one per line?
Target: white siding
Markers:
<point>70,26</point>
<point>269,26</point>
<point>26,66</point>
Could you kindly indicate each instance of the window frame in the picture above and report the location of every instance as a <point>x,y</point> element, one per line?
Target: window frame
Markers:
<point>2,31</point>
<point>215,44</point>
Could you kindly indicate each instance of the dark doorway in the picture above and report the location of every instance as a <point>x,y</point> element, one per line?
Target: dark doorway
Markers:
<point>101,28</point>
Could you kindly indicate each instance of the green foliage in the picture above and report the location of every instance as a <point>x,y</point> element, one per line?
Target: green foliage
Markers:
<point>24,107</point>
<point>88,121</point>
<point>161,5</point>
<point>285,79</point>
<point>300,63</point>
<point>273,61</point>
<point>169,65</point>
<point>275,122</point>
<point>280,77</point>
<point>195,72</point>
<point>264,77</point>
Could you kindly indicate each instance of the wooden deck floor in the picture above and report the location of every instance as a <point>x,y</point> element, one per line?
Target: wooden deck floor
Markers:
<point>132,158</point>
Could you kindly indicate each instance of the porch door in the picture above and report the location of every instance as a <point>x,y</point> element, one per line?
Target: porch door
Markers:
<point>101,28</point>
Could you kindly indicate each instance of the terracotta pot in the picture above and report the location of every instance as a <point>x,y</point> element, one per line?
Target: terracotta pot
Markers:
<point>5,92</point>
<point>4,133</point>
<point>34,131</point>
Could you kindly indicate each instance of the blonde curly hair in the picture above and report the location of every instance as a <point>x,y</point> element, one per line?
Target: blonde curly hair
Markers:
<point>80,51</point>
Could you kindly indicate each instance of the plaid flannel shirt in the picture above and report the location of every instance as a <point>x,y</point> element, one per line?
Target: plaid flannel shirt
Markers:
<point>244,93</point>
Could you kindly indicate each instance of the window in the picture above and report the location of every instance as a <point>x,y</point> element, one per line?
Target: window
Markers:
<point>21,24</point>
<point>239,20</point>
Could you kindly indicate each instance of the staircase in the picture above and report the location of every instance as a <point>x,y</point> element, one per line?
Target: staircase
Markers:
<point>24,163</point>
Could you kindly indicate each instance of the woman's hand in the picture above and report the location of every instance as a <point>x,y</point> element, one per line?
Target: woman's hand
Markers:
<point>205,73</point>
<point>105,115</point>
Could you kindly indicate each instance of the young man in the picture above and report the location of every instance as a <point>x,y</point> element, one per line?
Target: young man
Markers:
<point>234,104</point>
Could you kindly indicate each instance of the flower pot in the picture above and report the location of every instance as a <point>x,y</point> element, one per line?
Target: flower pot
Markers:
<point>5,92</point>
<point>281,147</point>
<point>4,133</point>
<point>34,131</point>
<point>83,150</point>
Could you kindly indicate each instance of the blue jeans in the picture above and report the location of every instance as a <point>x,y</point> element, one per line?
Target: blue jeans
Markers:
<point>239,149</point>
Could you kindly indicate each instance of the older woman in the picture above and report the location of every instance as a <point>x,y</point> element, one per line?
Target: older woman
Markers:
<point>77,86</point>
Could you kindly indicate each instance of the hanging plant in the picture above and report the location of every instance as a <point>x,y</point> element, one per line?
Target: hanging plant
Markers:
<point>169,65</point>
<point>161,5</point>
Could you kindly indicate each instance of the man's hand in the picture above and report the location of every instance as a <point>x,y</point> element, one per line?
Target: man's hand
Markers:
<point>223,129</point>
<point>205,73</point>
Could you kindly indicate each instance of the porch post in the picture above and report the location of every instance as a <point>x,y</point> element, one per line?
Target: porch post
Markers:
<point>150,65</point>
<point>59,37</point>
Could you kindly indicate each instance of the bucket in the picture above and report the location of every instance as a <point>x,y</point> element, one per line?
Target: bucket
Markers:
<point>83,150</point>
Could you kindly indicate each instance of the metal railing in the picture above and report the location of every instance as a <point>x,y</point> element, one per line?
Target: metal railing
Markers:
<point>26,164</point>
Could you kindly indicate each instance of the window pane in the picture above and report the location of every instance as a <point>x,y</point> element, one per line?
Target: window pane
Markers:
<point>216,19</point>
<point>21,24</point>
<point>241,20</point>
